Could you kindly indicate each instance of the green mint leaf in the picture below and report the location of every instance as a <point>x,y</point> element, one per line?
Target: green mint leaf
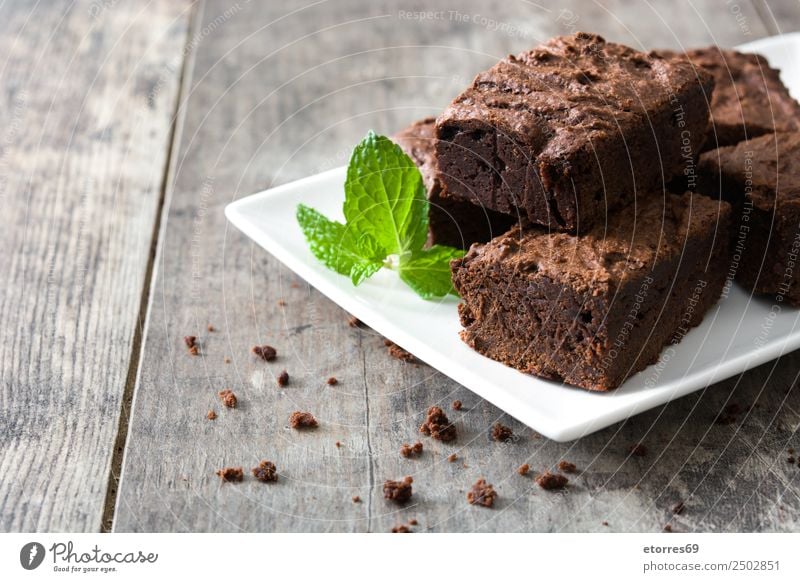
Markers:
<point>385,196</point>
<point>427,272</point>
<point>338,247</point>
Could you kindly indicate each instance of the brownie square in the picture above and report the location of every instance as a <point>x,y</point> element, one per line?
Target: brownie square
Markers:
<point>451,221</point>
<point>569,131</point>
<point>593,309</point>
<point>749,98</point>
<point>761,177</point>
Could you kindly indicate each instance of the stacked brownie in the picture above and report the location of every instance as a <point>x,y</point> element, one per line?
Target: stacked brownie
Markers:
<point>577,142</point>
<point>756,122</point>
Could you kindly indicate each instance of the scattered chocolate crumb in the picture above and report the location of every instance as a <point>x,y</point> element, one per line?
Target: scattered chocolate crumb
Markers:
<point>190,341</point>
<point>228,398</point>
<point>414,450</point>
<point>211,415</point>
<point>231,474</point>
<point>668,528</point>
<point>353,321</point>
<point>302,420</point>
<point>524,469</point>
<point>453,458</point>
<point>502,433</point>
<point>790,460</point>
<point>283,378</point>
<point>265,472</point>
<point>266,353</point>
<point>730,414</point>
<point>551,481</point>
<point>281,303</point>
<point>638,450</point>
<point>210,327</point>
<point>464,466</point>
<point>227,360</point>
<point>398,491</point>
<point>194,351</point>
<point>356,499</point>
<point>332,381</point>
<point>605,523</point>
<point>790,451</point>
<point>481,494</point>
<point>457,405</point>
<point>338,445</point>
<point>401,529</point>
<point>397,352</point>
<point>678,508</point>
<point>438,426</point>
<point>567,467</point>
<point>413,522</point>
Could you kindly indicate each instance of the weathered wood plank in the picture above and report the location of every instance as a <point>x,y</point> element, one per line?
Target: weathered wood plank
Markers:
<point>88,94</point>
<point>280,95</point>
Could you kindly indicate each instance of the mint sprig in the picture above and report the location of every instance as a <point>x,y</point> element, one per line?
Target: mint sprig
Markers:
<point>386,212</point>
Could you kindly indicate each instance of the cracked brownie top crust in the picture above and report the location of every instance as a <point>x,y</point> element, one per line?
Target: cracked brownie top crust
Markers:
<point>571,129</point>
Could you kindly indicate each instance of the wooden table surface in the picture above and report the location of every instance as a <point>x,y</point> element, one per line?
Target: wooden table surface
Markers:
<point>126,127</point>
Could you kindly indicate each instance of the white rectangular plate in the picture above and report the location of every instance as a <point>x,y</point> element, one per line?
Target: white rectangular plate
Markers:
<point>738,334</point>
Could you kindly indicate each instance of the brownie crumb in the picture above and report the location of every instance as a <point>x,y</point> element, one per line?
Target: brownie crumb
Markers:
<point>605,523</point>
<point>502,433</point>
<point>332,381</point>
<point>414,450</point>
<point>356,499</point>
<point>210,328</point>
<point>668,528</point>
<point>283,379</point>
<point>638,450</point>
<point>338,445</point>
<point>191,344</point>
<point>551,481</point>
<point>413,522</point>
<point>353,321</point>
<point>398,491</point>
<point>790,460</point>
<point>730,414</point>
<point>281,303</point>
<point>302,420</point>
<point>401,529</point>
<point>790,451</point>
<point>398,353</point>
<point>678,508</point>
<point>266,353</point>
<point>567,467</point>
<point>438,426</point>
<point>265,472</point>
<point>231,474</point>
<point>211,415</point>
<point>227,360</point>
<point>453,458</point>
<point>481,494</point>
<point>457,405</point>
<point>524,469</point>
<point>228,398</point>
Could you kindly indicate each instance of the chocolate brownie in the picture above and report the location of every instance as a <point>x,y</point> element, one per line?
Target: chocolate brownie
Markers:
<point>749,99</point>
<point>762,178</point>
<point>594,309</point>
<point>571,130</point>
<point>451,222</point>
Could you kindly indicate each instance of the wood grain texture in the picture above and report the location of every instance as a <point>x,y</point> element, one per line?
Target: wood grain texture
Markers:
<point>283,92</point>
<point>88,94</point>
